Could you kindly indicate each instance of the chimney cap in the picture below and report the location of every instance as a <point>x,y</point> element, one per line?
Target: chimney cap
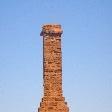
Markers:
<point>51,29</point>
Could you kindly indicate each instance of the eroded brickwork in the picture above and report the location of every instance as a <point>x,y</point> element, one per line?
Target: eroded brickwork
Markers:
<point>53,100</point>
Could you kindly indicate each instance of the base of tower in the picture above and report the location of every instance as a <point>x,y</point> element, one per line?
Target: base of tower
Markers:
<point>53,104</point>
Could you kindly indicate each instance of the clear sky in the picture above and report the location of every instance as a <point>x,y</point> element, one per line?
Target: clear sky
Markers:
<point>86,46</point>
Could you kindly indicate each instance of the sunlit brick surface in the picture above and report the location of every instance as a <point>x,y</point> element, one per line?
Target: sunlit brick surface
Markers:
<point>53,100</point>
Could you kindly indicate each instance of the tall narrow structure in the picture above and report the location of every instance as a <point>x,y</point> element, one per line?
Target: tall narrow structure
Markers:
<point>53,100</point>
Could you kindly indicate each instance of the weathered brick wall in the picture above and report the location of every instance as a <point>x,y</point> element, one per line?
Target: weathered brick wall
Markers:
<point>53,100</point>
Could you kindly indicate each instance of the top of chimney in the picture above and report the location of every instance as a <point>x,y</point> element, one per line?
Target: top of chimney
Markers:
<point>51,29</point>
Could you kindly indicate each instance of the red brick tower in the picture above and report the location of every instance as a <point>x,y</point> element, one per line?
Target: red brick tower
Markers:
<point>53,100</point>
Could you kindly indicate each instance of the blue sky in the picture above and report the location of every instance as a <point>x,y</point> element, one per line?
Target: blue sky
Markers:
<point>86,46</point>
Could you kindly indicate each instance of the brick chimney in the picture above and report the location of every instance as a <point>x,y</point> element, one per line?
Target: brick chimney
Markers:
<point>53,100</point>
